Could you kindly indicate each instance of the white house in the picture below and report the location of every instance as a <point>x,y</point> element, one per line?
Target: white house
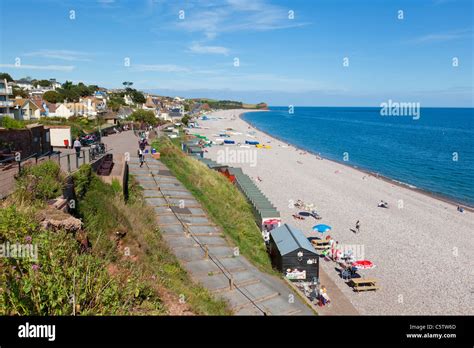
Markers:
<point>25,84</point>
<point>128,100</point>
<point>62,111</point>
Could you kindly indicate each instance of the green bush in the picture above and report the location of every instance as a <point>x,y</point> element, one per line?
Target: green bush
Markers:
<point>10,123</point>
<point>61,276</point>
<point>82,179</point>
<point>44,181</point>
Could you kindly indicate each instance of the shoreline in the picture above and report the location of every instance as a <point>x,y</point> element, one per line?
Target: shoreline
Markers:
<point>421,249</point>
<point>376,175</point>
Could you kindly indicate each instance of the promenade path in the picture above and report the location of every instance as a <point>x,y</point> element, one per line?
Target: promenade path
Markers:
<point>199,244</point>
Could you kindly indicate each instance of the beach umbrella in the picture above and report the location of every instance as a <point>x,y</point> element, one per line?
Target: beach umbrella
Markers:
<point>321,228</point>
<point>363,264</point>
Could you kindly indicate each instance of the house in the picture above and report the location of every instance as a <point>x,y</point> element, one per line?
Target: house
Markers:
<point>176,113</point>
<point>54,84</point>
<point>128,100</point>
<point>87,107</point>
<point>124,112</point>
<point>62,111</point>
<point>94,106</point>
<point>24,84</point>
<point>49,109</point>
<point>5,103</point>
<point>292,254</point>
<point>100,94</point>
<point>163,114</point>
<point>151,103</point>
<point>26,109</point>
<point>111,117</point>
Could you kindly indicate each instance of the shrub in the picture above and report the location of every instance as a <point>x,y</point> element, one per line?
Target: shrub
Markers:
<point>43,181</point>
<point>61,276</point>
<point>10,123</point>
<point>82,179</point>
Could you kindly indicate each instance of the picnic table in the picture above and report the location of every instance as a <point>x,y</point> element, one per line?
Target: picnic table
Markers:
<point>320,244</point>
<point>364,284</point>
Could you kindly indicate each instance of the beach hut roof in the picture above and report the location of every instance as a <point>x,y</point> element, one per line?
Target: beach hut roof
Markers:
<point>289,239</point>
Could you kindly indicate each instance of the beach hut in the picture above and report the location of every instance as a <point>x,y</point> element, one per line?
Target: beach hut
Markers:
<point>195,150</point>
<point>293,255</point>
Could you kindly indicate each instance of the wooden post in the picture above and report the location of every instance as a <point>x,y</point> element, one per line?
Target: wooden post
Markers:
<point>83,156</point>
<point>206,251</point>
<point>69,162</point>
<point>231,283</point>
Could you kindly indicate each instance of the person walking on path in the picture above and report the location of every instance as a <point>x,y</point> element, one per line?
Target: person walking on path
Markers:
<point>77,147</point>
<point>358,226</point>
<point>141,157</point>
<point>142,143</point>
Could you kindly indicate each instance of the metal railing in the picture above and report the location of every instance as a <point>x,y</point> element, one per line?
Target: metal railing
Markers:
<point>10,167</point>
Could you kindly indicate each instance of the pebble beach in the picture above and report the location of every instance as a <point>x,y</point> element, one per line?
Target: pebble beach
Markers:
<point>421,245</point>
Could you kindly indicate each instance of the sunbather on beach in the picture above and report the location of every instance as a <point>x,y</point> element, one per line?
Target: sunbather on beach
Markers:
<point>358,226</point>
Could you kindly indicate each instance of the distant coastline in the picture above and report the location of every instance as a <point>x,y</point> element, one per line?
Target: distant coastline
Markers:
<point>440,197</point>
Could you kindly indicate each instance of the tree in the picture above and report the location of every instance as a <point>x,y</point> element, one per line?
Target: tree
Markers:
<point>17,91</point>
<point>44,83</point>
<point>81,90</point>
<point>70,94</point>
<point>185,120</point>
<point>127,84</point>
<point>93,88</point>
<point>137,97</point>
<point>53,97</point>
<point>6,76</point>
<point>144,116</point>
<point>113,105</point>
<point>67,85</point>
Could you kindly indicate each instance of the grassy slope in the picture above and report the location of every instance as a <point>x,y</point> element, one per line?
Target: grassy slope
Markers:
<point>226,206</point>
<point>103,279</point>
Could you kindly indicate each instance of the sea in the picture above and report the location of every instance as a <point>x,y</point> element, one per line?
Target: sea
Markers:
<point>432,150</point>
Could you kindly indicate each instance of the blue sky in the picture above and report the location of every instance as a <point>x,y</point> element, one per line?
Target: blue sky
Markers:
<point>283,61</point>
